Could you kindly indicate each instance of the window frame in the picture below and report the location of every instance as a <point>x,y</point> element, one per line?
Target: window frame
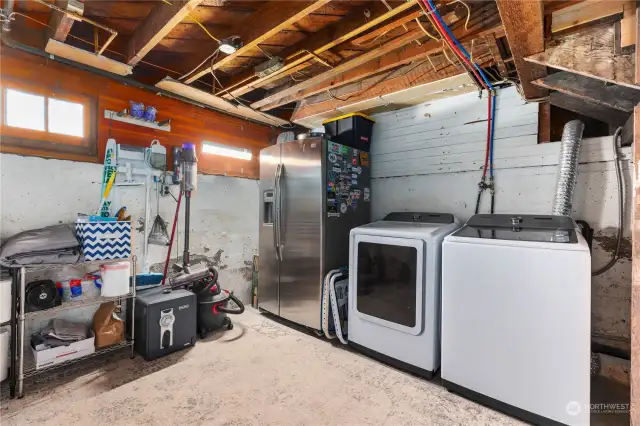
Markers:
<point>228,147</point>
<point>46,140</point>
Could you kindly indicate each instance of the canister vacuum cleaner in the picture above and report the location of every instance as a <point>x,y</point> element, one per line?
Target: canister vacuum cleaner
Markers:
<point>213,301</point>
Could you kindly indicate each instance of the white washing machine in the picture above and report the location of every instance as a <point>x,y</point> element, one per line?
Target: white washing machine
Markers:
<point>394,289</point>
<point>516,309</point>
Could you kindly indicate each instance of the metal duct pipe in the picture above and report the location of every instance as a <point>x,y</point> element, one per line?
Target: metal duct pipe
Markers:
<point>8,10</point>
<point>567,167</point>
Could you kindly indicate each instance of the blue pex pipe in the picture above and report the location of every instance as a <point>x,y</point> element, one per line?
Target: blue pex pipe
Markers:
<point>437,15</point>
<point>493,124</point>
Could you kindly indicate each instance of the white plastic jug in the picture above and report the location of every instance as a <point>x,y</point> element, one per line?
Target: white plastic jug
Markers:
<point>5,298</point>
<point>4,353</point>
<point>115,279</point>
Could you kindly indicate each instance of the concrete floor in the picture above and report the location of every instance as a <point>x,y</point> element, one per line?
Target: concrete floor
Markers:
<point>262,372</point>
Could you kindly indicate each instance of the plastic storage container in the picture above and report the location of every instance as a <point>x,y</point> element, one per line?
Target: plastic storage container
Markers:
<point>5,297</point>
<point>115,279</point>
<point>353,130</point>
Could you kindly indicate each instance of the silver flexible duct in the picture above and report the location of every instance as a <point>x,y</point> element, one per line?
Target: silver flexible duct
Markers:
<point>567,167</point>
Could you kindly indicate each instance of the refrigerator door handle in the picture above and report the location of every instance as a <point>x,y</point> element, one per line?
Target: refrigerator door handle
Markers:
<point>276,219</point>
<point>280,241</point>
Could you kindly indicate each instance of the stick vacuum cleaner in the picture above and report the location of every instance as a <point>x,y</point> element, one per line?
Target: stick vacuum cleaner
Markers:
<point>213,301</point>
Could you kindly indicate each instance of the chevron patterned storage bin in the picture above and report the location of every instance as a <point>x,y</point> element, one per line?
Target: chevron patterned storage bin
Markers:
<point>104,240</point>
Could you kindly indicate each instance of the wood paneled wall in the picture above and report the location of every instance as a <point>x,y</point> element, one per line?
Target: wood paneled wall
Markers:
<point>189,123</point>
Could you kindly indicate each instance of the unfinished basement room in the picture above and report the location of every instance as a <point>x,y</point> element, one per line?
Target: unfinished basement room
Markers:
<point>319,212</point>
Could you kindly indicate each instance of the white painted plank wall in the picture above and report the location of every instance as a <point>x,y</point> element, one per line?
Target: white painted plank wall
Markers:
<point>425,158</point>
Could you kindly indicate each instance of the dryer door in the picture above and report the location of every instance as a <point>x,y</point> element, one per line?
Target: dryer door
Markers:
<point>389,281</point>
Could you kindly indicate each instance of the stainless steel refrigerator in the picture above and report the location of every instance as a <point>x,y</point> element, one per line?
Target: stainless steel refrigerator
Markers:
<point>312,193</point>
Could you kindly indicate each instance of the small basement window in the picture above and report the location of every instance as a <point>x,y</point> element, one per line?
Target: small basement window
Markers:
<point>40,120</point>
<point>226,150</point>
<point>66,118</point>
<point>24,110</point>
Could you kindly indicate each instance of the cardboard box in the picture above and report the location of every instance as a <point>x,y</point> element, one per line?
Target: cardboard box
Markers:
<point>50,357</point>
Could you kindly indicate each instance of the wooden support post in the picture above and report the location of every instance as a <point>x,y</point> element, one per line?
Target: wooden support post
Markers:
<point>524,26</point>
<point>59,23</point>
<point>635,280</point>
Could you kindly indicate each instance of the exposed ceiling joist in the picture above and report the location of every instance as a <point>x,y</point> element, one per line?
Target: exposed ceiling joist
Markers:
<point>261,25</point>
<point>160,21</point>
<point>386,57</point>
<point>59,23</point>
<point>590,109</point>
<point>492,44</point>
<point>354,98</point>
<point>523,22</point>
<point>592,90</point>
<point>359,60</point>
<point>589,53</point>
<point>356,23</point>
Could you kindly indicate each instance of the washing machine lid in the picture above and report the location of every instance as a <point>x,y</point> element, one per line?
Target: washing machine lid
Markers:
<point>414,225</point>
<point>419,217</point>
<point>515,227</point>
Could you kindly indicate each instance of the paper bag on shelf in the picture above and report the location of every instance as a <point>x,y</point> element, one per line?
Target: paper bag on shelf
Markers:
<point>107,326</point>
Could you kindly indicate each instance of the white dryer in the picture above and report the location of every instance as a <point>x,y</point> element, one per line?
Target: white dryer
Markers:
<point>394,289</point>
<point>516,309</point>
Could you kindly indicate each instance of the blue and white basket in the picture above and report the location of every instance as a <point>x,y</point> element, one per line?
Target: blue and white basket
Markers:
<point>104,240</point>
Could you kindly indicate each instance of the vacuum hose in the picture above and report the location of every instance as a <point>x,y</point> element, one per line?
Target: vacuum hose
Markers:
<point>233,311</point>
<point>616,254</point>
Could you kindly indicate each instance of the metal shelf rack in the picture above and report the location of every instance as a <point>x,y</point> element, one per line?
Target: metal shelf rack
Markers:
<point>26,365</point>
<point>30,367</point>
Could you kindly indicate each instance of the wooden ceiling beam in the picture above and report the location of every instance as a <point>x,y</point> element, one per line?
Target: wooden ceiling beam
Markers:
<point>261,25</point>
<point>354,24</point>
<point>59,23</point>
<point>391,55</point>
<point>394,44</point>
<point>492,43</point>
<point>592,90</point>
<point>594,110</point>
<point>589,52</point>
<point>374,87</point>
<point>158,23</point>
<point>523,22</point>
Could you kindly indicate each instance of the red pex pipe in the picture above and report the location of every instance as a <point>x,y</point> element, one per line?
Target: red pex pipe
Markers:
<point>173,234</point>
<point>489,118</point>
<point>454,48</point>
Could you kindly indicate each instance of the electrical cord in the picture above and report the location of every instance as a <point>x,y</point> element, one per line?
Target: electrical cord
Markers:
<point>215,53</point>
<point>616,253</point>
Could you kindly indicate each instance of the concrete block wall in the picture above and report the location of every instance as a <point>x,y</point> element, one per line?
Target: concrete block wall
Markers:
<point>37,192</point>
<point>429,158</point>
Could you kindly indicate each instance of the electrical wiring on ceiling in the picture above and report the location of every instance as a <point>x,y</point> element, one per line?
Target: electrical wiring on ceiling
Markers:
<point>466,24</point>
<point>197,22</point>
<point>91,43</point>
<point>425,30</point>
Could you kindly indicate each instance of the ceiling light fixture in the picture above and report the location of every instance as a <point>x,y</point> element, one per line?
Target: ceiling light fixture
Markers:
<point>230,45</point>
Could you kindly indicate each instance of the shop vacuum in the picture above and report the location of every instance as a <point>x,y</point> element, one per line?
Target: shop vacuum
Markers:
<point>213,301</point>
<point>191,303</point>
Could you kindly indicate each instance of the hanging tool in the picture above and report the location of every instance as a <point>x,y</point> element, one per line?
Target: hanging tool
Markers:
<point>158,234</point>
